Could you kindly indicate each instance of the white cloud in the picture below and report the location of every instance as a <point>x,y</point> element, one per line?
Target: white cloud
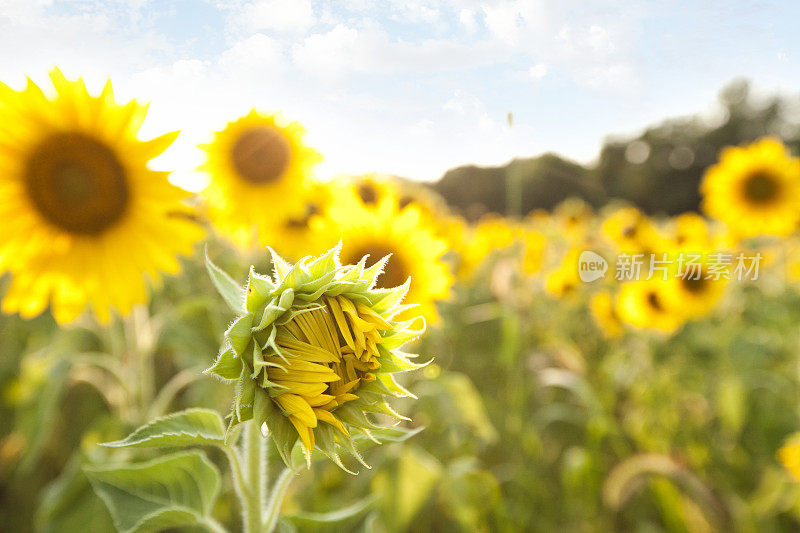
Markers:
<point>538,71</point>
<point>467,19</point>
<point>294,16</point>
<point>345,49</point>
<point>256,55</point>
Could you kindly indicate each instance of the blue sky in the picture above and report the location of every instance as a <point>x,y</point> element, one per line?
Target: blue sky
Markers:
<point>407,87</point>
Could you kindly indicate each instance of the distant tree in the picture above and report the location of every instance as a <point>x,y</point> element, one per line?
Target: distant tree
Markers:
<point>659,170</point>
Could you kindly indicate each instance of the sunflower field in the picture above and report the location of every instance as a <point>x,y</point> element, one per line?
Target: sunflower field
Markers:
<point>281,353</point>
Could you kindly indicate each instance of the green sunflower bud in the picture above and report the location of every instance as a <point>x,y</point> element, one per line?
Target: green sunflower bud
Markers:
<point>313,351</point>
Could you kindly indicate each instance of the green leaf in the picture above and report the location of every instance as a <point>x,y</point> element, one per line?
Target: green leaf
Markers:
<point>340,515</point>
<point>175,490</point>
<point>231,291</point>
<point>186,428</point>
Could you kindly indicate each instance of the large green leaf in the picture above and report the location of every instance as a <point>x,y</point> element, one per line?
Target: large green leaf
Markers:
<point>185,428</point>
<point>170,491</point>
<point>231,292</point>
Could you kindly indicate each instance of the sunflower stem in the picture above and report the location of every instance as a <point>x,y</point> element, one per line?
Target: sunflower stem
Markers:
<point>276,499</point>
<point>256,472</point>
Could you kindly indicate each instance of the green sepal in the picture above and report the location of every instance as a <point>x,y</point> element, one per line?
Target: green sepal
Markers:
<point>276,308</point>
<point>239,333</point>
<point>231,292</point>
<point>383,408</point>
<point>385,299</point>
<point>350,414</point>
<point>325,442</point>
<point>279,265</point>
<point>259,290</point>
<point>282,431</point>
<point>227,366</point>
<point>243,398</point>
<point>397,390</point>
<point>392,362</point>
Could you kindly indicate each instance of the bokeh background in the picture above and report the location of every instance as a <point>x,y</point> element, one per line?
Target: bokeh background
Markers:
<point>484,144</point>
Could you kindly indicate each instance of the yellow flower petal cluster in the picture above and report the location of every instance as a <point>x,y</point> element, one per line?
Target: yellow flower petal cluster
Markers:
<point>84,218</point>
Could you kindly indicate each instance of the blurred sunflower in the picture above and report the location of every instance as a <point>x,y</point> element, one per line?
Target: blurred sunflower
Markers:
<point>492,233</point>
<point>754,189</point>
<point>789,457</point>
<point>605,315</point>
<point>563,281</point>
<point>259,172</point>
<point>373,191</point>
<point>296,236</point>
<point>533,248</point>
<point>415,251</point>
<point>696,292</point>
<point>631,231</point>
<point>573,217</point>
<point>690,232</point>
<point>647,304</point>
<point>83,217</point>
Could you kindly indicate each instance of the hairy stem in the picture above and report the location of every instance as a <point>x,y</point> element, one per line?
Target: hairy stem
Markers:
<point>273,510</point>
<point>256,472</point>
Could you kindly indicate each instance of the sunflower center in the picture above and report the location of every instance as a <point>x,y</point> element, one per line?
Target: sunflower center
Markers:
<point>77,183</point>
<point>261,155</point>
<point>395,272</point>
<point>761,188</point>
<point>312,209</point>
<point>368,193</point>
<point>629,231</point>
<point>694,286</point>
<point>654,301</point>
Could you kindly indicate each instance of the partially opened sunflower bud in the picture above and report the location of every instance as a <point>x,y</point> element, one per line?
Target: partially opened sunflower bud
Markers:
<point>314,350</point>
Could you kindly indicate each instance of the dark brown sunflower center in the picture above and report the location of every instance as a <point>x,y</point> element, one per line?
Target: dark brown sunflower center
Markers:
<point>261,155</point>
<point>395,272</point>
<point>302,222</point>
<point>368,193</point>
<point>695,286</point>
<point>761,188</point>
<point>654,301</point>
<point>77,183</point>
<point>629,231</point>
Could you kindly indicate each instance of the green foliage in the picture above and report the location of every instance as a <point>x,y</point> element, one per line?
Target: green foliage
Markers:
<point>186,428</point>
<point>170,491</point>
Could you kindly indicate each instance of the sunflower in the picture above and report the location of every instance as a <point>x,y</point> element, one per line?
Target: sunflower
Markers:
<point>492,233</point>
<point>565,280</point>
<point>631,231</point>
<point>754,189</point>
<point>295,236</point>
<point>573,217</point>
<point>789,456</point>
<point>606,316</point>
<point>83,217</point>
<point>533,249</point>
<point>696,291</point>
<point>259,173</point>
<point>648,304</point>
<point>314,350</point>
<point>415,251</point>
